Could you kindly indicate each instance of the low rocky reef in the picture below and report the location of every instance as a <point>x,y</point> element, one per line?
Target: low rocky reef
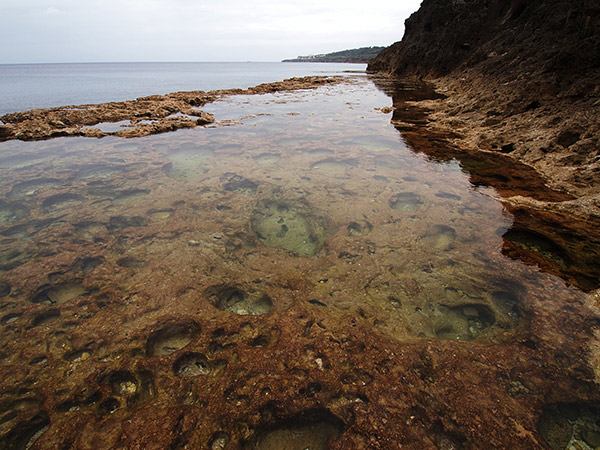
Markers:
<point>135,118</point>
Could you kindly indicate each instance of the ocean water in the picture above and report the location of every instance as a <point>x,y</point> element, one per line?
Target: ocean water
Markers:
<point>28,86</point>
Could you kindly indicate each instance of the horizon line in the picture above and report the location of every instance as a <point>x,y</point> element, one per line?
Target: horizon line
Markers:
<point>156,62</point>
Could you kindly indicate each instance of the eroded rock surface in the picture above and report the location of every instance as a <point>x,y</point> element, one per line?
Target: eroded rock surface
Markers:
<point>518,79</point>
<point>146,115</point>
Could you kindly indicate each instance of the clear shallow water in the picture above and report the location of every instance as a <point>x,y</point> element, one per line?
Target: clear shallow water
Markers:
<point>277,281</point>
<point>29,86</point>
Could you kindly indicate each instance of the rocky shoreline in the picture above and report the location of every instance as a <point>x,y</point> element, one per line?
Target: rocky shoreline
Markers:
<point>146,115</point>
<point>517,79</point>
<point>566,157</point>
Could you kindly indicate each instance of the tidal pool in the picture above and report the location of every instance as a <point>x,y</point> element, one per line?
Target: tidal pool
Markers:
<point>213,288</point>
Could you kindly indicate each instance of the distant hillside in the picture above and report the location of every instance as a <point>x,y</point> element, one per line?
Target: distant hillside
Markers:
<point>356,55</point>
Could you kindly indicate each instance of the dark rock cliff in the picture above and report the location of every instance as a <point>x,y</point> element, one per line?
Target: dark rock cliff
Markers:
<point>552,38</point>
<point>518,77</point>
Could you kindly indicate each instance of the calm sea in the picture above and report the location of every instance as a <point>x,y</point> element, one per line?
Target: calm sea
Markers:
<point>28,86</point>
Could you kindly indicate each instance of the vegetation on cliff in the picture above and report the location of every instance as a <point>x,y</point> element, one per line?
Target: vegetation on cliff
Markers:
<point>356,55</point>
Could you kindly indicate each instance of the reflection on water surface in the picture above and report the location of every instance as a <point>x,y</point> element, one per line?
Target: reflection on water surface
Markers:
<point>301,278</point>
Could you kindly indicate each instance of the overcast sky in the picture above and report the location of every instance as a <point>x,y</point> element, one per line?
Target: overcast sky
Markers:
<point>193,30</point>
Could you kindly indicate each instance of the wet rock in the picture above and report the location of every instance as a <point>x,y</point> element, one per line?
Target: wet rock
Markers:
<point>359,228</point>
<point>117,223</point>
<point>87,265</point>
<point>191,365</point>
<point>267,158</point>
<point>233,299</point>
<point>45,317</point>
<point>78,355</point>
<point>447,196</point>
<point>59,293</point>
<point>555,428</point>
<point>406,202</point>
<point>288,225</point>
<point>5,289</point>
<point>11,257</point>
<point>219,440</point>
<point>24,435</point>
<point>129,195</point>
<point>60,202</point>
<point>131,262</point>
<point>440,237</point>
<point>123,383</point>
<point>464,322</point>
<point>570,425</point>
<point>10,318</point>
<point>537,244</point>
<point>6,132</point>
<point>237,183</point>
<point>161,214</point>
<point>334,166</point>
<point>312,429</point>
<point>568,138</point>
<point>171,337</point>
<point>109,406</point>
<point>12,212</point>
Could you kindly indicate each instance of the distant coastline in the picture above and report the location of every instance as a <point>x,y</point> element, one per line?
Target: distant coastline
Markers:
<point>354,56</point>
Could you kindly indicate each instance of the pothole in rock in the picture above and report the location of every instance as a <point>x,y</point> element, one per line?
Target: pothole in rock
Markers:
<point>539,245</point>
<point>117,223</point>
<point>237,183</point>
<point>31,187</point>
<point>187,161</point>
<point>123,383</point>
<point>332,166</point>
<point>237,301</point>
<point>60,202</point>
<point>191,365</point>
<point>24,435</point>
<point>406,202</point>
<point>87,265</point>
<point>321,152</point>
<point>311,430</point>
<point>98,171</point>
<point>59,293</point>
<point>45,317</point>
<point>131,262</point>
<point>12,212</point>
<point>440,237</point>
<point>129,195</point>
<point>10,318</point>
<point>447,196</point>
<point>463,322</point>
<point>288,225</point>
<point>219,441</point>
<point>109,406</point>
<point>570,426</point>
<point>161,214</point>
<point>78,355</point>
<point>171,337</point>
<point>5,289</point>
<point>359,228</point>
<point>267,158</point>
<point>11,257</point>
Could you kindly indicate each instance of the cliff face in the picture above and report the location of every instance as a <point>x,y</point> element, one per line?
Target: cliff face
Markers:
<point>499,37</point>
<point>520,77</point>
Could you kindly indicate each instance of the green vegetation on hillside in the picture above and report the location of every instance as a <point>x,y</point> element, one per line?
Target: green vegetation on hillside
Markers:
<point>356,55</point>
